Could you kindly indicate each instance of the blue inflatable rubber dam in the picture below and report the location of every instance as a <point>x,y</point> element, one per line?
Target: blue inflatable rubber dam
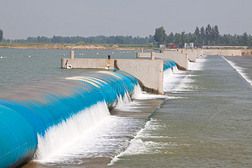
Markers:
<point>21,121</point>
<point>169,64</point>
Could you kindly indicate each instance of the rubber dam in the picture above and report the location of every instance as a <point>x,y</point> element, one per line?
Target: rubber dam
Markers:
<point>32,125</point>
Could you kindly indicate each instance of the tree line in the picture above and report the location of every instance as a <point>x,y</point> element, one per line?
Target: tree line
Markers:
<point>208,35</point>
<point>90,40</point>
<point>1,35</point>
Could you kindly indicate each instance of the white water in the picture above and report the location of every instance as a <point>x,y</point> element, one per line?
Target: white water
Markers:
<point>138,145</point>
<point>239,70</point>
<point>138,94</point>
<point>77,135</point>
<point>198,65</point>
<point>181,81</point>
<point>59,138</point>
<point>178,81</point>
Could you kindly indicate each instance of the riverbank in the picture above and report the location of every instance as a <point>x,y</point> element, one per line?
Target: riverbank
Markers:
<point>73,46</point>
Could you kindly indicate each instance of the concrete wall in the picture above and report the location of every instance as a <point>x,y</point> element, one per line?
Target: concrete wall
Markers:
<point>144,55</point>
<point>178,56</point>
<point>151,55</point>
<point>225,52</point>
<point>228,52</point>
<point>149,72</point>
<point>84,63</point>
<point>247,52</point>
<point>192,54</point>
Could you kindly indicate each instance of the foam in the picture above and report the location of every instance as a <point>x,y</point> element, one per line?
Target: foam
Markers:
<point>197,65</point>
<point>59,137</point>
<point>238,69</point>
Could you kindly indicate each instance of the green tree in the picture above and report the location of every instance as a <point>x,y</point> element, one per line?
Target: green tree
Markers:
<point>245,39</point>
<point>202,35</point>
<point>160,35</point>
<point>216,31</point>
<point>215,34</point>
<point>170,38</point>
<point>197,36</point>
<point>197,32</point>
<point>1,35</point>
<point>182,39</point>
<point>208,34</point>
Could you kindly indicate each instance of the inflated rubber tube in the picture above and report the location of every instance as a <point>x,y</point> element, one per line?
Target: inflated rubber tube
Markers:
<point>168,64</point>
<point>21,122</point>
<point>18,140</point>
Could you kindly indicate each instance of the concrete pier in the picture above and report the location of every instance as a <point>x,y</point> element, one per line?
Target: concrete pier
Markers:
<point>176,55</point>
<point>149,67</point>
<point>149,72</point>
<point>183,56</point>
<point>228,52</point>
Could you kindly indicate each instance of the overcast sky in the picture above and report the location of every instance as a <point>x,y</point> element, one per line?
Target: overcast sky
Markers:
<point>23,18</point>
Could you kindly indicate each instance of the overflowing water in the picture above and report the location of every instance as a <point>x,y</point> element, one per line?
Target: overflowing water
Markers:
<point>240,70</point>
<point>204,120</point>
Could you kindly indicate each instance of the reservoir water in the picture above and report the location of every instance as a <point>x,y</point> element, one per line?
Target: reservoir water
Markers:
<point>204,122</point>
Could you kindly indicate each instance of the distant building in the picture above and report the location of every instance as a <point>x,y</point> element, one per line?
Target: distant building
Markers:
<point>162,46</point>
<point>171,46</point>
<point>189,45</point>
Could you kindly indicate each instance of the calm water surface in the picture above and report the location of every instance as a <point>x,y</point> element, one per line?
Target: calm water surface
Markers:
<point>22,66</point>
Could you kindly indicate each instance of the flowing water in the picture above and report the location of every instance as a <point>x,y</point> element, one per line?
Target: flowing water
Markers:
<point>204,121</point>
<point>207,124</point>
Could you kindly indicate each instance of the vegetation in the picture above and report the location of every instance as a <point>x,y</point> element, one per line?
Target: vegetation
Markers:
<point>160,35</point>
<point>90,40</point>
<point>1,35</point>
<point>208,35</point>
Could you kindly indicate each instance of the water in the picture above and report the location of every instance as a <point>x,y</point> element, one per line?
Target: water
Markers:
<point>20,66</point>
<point>205,120</point>
<point>208,125</point>
<point>93,136</point>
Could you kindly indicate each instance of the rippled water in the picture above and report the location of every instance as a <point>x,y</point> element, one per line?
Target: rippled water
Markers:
<point>21,66</point>
<point>210,125</point>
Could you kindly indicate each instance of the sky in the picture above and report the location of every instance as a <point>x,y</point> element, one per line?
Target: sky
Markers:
<point>20,19</point>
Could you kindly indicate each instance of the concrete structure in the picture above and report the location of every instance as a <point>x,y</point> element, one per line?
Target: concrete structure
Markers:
<point>228,52</point>
<point>192,54</point>
<point>182,56</point>
<point>225,47</point>
<point>149,72</point>
<point>224,52</point>
<point>72,54</point>
<point>150,54</point>
<point>247,52</point>
<point>149,67</point>
<point>179,56</point>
